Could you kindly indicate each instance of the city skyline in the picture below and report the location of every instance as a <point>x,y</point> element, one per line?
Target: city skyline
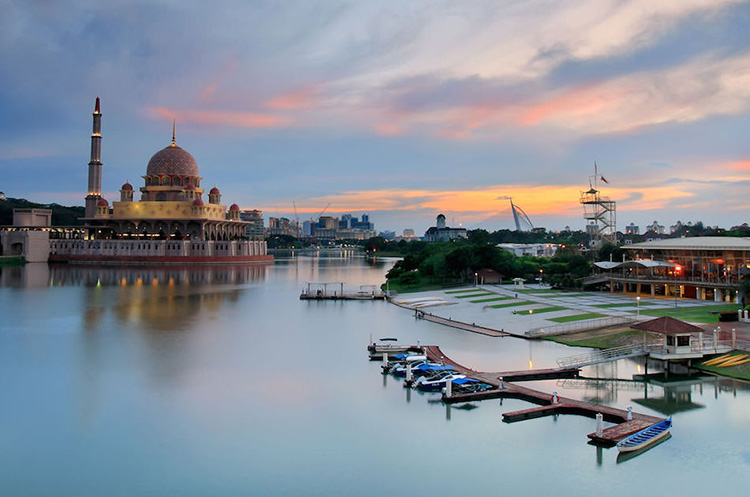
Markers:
<point>400,111</point>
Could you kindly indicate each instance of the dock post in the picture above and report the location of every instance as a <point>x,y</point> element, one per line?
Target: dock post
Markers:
<point>448,389</point>
<point>734,338</point>
<point>502,386</point>
<point>408,372</point>
<point>599,425</point>
<point>555,400</point>
<point>385,358</point>
<point>630,413</point>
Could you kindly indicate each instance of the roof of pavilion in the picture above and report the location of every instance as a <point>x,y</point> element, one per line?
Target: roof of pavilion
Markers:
<point>646,263</point>
<point>667,326</point>
<point>694,243</point>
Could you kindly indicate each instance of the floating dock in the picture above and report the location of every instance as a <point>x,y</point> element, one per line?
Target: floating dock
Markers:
<point>547,404</point>
<point>336,291</point>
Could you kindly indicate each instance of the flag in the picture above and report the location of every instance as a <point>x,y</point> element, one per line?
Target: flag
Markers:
<point>602,177</point>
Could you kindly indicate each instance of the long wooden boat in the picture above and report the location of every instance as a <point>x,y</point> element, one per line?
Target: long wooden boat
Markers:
<point>645,437</point>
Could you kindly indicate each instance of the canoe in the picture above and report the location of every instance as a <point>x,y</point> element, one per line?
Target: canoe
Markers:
<point>645,437</point>
<point>716,360</point>
<point>733,361</point>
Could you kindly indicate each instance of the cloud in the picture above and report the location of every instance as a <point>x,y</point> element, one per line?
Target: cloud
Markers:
<point>221,118</point>
<point>296,100</point>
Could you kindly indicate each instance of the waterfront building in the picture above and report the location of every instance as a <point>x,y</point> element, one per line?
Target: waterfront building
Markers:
<point>255,229</point>
<point>442,233</point>
<point>632,229</point>
<point>702,268</point>
<point>281,226</point>
<point>656,228</point>
<point>532,249</point>
<point>170,222</point>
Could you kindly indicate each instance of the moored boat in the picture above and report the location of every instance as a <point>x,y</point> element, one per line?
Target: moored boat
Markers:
<point>646,437</point>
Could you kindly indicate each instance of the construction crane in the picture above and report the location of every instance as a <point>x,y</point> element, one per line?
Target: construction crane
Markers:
<point>315,220</point>
<point>296,219</point>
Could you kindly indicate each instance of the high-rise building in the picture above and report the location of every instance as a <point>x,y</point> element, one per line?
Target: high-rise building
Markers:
<point>256,229</point>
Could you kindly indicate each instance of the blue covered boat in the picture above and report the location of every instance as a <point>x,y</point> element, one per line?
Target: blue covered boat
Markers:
<point>645,437</point>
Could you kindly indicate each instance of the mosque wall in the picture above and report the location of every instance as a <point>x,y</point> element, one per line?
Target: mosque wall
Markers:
<point>167,210</point>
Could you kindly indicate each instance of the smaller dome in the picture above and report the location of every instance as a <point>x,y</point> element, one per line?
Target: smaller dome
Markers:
<point>102,203</point>
<point>197,202</point>
<point>214,191</point>
<point>190,186</point>
<point>127,186</point>
<point>234,207</point>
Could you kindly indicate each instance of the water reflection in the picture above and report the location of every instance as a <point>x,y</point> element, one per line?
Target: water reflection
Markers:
<point>93,276</point>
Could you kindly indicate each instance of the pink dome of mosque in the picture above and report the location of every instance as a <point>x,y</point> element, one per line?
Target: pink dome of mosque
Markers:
<point>214,191</point>
<point>234,207</point>
<point>190,186</point>
<point>102,203</point>
<point>172,161</point>
<point>127,187</point>
<point>197,202</point>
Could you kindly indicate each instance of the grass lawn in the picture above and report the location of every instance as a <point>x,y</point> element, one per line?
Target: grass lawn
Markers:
<point>577,317</point>
<point>465,290</point>
<point>543,310</point>
<point>511,304</point>
<point>493,299</point>
<point>605,341</point>
<point>741,372</point>
<point>697,314</point>
<point>472,295</point>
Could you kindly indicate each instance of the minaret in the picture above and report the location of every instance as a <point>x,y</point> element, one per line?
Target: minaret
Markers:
<point>95,165</point>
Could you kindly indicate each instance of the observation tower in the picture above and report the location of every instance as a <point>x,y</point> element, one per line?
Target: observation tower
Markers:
<point>599,212</point>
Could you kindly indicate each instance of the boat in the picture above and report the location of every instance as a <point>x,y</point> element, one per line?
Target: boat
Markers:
<point>421,369</point>
<point>390,346</point>
<point>469,385</point>
<point>436,383</point>
<point>646,437</point>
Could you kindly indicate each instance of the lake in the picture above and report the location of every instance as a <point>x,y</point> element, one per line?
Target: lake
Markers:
<point>219,381</point>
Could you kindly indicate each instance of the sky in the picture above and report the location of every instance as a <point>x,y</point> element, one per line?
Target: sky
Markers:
<point>402,110</point>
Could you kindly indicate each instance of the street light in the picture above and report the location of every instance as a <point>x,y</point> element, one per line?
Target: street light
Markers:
<point>475,279</point>
<point>677,269</point>
<point>541,274</point>
<point>638,306</point>
<point>531,315</point>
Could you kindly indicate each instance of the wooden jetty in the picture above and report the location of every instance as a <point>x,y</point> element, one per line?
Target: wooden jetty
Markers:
<point>473,327</point>
<point>547,404</point>
<point>321,291</point>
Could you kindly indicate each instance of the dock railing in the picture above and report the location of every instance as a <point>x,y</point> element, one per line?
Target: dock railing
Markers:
<point>589,324</point>
<point>605,355</point>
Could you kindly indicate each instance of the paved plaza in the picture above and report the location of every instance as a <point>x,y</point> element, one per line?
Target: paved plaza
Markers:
<point>517,311</point>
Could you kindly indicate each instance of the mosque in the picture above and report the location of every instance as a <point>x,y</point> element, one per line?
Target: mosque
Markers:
<point>170,207</point>
<point>170,223</point>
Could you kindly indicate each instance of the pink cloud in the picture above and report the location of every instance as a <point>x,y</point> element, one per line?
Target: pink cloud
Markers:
<point>579,102</point>
<point>389,129</point>
<point>296,100</point>
<point>222,118</point>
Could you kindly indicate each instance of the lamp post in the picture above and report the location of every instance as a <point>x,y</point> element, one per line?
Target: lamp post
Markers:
<point>531,316</point>
<point>541,274</point>
<point>475,279</point>
<point>638,306</point>
<point>677,269</point>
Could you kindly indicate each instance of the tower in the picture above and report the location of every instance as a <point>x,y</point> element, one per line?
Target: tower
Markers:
<point>599,212</point>
<point>95,165</point>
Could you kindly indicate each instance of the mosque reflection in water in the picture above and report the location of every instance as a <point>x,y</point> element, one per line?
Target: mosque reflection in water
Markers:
<point>43,275</point>
<point>163,298</point>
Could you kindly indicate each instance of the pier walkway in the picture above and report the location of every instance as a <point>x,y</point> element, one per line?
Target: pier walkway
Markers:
<point>545,402</point>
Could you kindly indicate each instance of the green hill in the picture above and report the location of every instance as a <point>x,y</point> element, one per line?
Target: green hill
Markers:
<point>61,215</point>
